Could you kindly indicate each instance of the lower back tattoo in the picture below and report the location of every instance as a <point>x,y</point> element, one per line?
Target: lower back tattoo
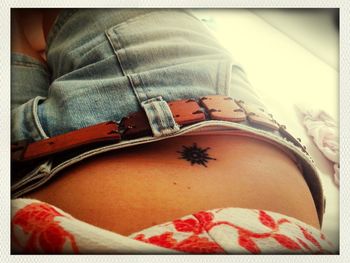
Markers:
<point>195,154</point>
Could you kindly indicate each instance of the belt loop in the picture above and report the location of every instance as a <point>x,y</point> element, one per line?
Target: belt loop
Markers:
<point>160,116</point>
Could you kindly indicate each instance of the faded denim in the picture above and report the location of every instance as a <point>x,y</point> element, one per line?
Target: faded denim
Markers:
<point>103,63</point>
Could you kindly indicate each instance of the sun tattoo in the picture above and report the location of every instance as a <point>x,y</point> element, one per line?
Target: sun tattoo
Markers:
<point>195,155</point>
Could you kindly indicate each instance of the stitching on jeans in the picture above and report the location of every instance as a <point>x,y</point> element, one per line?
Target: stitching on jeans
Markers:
<point>228,76</point>
<point>37,122</point>
<point>116,45</point>
<point>31,66</point>
<point>137,17</point>
<point>60,20</point>
<point>220,81</point>
<point>155,118</point>
<point>134,90</point>
<point>140,88</point>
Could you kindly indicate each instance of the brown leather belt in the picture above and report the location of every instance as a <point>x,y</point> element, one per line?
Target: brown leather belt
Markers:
<point>185,112</point>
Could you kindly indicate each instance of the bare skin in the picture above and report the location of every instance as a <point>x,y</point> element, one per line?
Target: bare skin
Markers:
<point>138,187</point>
<point>29,31</point>
<point>132,189</point>
<point>27,37</point>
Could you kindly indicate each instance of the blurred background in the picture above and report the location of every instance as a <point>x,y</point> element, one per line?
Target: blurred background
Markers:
<point>291,58</point>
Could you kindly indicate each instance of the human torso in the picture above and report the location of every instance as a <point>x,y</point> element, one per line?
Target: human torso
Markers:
<point>134,188</point>
<point>138,187</point>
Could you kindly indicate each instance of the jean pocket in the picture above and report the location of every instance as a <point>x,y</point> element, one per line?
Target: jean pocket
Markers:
<point>171,54</point>
<point>25,122</point>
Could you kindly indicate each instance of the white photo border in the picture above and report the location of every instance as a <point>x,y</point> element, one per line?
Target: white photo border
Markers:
<point>344,117</point>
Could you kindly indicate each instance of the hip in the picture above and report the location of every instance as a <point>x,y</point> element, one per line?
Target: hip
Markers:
<point>150,184</point>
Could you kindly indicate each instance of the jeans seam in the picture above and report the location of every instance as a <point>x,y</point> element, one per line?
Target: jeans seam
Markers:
<point>37,123</point>
<point>116,46</point>
<point>57,24</point>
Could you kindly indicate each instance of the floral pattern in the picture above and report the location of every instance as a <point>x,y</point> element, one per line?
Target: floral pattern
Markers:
<point>38,227</point>
<point>37,220</point>
<point>204,222</point>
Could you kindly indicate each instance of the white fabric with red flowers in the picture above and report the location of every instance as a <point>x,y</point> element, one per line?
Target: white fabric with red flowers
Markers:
<point>37,227</point>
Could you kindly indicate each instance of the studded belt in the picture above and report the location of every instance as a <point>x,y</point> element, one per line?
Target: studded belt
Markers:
<point>185,112</point>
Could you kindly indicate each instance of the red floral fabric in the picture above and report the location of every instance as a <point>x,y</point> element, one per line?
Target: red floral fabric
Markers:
<point>245,239</point>
<point>38,227</point>
<point>45,234</point>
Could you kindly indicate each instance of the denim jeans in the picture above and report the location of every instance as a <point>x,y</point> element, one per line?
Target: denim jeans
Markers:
<point>106,72</point>
<point>104,64</point>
